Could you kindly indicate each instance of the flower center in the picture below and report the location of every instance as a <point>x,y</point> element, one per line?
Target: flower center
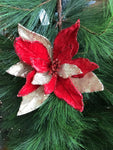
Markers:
<point>54,67</point>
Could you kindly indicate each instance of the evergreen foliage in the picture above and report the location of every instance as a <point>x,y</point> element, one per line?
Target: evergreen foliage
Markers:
<point>56,125</point>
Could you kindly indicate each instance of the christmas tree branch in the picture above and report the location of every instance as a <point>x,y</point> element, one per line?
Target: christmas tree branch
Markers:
<point>24,9</point>
<point>41,4</point>
<point>90,31</point>
<point>98,34</point>
<point>16,8</point>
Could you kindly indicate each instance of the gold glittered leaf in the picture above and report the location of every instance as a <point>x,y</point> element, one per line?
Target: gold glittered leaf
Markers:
<point>32,101</point>
<point>19,70</point>
<point>68,70</point>
<point>41,78</point>
<point>89,83</point>
<point>26,34</point>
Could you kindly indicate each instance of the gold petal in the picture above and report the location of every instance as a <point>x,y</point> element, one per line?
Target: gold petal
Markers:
<point>41,78</point>
<point>67,70</point>
<point>19,70</point>
<point>32,101</point>
<point>26,34</point>
<point>89,83</point>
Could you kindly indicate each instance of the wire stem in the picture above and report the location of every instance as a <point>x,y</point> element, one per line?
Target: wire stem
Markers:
<point>59,10</point>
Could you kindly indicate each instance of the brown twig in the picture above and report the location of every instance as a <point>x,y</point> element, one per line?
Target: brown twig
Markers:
<point>16,8</point>
<point>41,4</point>
<point>90,31</point>
<point>24,9</point>
<point>98,34</point>
<point>59,10</point>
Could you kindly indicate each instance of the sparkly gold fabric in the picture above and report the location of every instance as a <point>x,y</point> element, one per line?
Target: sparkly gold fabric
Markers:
<point>41,78</point>
<point>89,83</point>
<point>32,101</point>
<point>19,70</point>
<point>67,70</point>
<point>26,34</point>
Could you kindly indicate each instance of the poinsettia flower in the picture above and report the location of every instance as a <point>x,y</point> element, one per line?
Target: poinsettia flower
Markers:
<point>48,72</point>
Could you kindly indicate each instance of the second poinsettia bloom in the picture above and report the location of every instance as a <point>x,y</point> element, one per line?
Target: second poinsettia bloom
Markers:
<point>53,68</point>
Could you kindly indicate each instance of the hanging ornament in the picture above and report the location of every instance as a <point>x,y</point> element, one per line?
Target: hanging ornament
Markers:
<point>48,69</point>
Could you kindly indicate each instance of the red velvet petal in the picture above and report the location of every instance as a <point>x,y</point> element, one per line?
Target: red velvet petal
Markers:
<point>85,65</point>
<point>64,57</point>
<point>66,40</point>
<point>28,87</point>
<point>40,65</point>
<point>27,50</point>
<point>49,87</point>
<point>65,90</point>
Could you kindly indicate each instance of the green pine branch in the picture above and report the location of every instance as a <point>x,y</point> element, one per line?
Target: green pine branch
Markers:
<point>56,125</point>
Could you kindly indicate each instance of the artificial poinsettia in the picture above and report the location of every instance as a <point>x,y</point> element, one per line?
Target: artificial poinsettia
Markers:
<point>48,72</point>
